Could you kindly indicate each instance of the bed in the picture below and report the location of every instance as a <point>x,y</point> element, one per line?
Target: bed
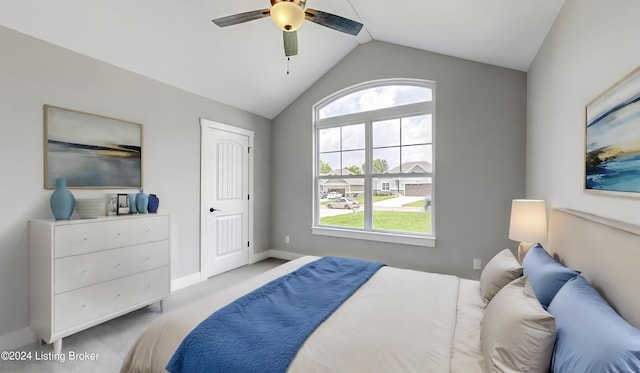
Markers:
<point>412,321</point>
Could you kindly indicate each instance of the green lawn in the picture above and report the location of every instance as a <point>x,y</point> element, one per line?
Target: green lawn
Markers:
<point>360,199</point>
<point>418,222</point>
<point>419,203</point>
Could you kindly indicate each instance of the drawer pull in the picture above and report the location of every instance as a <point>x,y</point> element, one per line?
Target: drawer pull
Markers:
<point>147,258</point>
<point>84,306</point>
<point>149,229</point>
<point>118,295</point>
<point>117,265</point>
<point>84,271</point>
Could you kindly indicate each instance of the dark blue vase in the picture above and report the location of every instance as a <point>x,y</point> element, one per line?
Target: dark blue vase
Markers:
<point>154,201</point>
<point>62,201</point>
<point>142,201</point>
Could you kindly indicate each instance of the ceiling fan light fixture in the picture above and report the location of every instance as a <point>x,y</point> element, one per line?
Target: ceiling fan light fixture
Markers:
<point>287,16</point>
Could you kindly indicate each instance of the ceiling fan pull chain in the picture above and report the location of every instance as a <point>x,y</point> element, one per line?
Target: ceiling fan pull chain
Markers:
<point>288,59</point>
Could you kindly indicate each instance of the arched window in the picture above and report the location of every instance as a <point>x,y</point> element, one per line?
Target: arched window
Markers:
<point>374,162</point>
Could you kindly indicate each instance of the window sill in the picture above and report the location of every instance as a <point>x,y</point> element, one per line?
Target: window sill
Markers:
<point>428,241</point>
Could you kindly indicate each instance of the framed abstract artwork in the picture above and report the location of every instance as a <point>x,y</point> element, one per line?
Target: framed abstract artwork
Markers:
<point>612,159</point>
<point>91,151</point>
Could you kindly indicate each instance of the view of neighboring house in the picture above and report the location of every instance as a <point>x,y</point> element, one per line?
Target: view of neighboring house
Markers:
<point>347,187</point>
<point>406,186</point>
<point>393,185</point>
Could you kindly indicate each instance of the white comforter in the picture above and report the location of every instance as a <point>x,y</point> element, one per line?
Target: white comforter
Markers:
<point>399,321</point>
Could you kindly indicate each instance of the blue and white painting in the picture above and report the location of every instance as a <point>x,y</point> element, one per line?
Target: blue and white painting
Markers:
<point>613,138</point>
<point>91,151</point>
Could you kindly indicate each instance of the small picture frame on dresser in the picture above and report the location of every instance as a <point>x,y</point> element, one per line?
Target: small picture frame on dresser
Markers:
<point>112,204</point>
<point>123,204</point>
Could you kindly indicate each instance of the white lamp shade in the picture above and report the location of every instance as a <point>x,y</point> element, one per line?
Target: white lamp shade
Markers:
<point>287,16</point>
<point>528,221</point>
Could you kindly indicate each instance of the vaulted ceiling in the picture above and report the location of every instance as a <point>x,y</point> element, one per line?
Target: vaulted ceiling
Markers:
<point>175,42</point>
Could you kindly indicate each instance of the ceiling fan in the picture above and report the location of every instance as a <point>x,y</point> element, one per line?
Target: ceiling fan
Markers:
<point>288,15</point>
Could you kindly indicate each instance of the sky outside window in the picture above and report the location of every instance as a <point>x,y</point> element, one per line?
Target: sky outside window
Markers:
<point>376,98</point>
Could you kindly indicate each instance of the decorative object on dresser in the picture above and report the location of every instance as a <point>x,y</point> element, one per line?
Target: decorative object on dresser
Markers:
<point>154,202</point>
<point>142,202</point>
<point>91,151</point>
<point>112,204</point>
<point>90,208</point>
<point>123,204</point>
<point>132,204</point>
<point>62,201</point>
<point>528,223</point>
<point>85,272</point>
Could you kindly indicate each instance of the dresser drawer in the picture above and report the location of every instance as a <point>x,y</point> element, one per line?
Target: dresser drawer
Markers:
<point>76,307</point>
<point>74,272</point>
<point>75,239</point>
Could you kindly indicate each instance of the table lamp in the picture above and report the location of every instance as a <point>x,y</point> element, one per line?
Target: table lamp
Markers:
<point>528,224</point>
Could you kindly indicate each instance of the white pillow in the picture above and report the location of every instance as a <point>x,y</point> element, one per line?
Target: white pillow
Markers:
<point>517,333</point>
<point>499,271</point>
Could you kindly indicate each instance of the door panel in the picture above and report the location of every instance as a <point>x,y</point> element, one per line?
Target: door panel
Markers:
<point>225,196</point>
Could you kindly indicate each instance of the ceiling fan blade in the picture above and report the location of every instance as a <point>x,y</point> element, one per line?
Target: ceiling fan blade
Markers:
<point>241,17</point>
<point>333,21</point>
<point>290,43</point>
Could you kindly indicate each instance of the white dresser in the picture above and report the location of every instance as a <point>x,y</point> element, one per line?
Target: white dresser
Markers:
<point>84,272</point>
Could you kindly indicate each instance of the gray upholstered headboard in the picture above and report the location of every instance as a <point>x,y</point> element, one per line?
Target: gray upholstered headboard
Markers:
<point>606,251</point>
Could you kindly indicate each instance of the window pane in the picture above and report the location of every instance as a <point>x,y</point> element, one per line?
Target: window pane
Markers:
<point>353,162</point>
<point>416,130</point>
<point>329,163</point>
<point>386,133</point>
<point>402,204</point>
<point>329,139</point>
<point>416,158</point>
<point>376,98</point>
<point>347,210</point>
<point>386,160</point>
<point>353,137</point>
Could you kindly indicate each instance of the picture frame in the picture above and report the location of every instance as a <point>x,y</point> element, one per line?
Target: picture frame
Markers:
<point>612,139</point>
<point>112,204</point>
<point>91,151</point>
<point>123,204</point>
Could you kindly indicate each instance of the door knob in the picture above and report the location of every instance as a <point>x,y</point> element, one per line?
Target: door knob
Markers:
<point>212,210</point>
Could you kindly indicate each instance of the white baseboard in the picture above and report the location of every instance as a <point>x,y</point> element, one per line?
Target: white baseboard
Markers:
<point>260,257</point>
<point>286,255</point>
<point>186,281</point>
<point>19,338</point>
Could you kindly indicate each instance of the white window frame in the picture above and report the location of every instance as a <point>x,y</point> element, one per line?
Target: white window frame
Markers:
<point>367,117</point>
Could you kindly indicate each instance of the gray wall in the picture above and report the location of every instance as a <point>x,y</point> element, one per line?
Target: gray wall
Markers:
<point>479,142</point>
<point>33,73</point>
<point>591,46</point>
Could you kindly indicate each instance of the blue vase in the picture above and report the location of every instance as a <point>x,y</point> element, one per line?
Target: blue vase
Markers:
<point>132,204</point>
<point>142,202</point>
<point>62,201</point>
<point>154,202</point>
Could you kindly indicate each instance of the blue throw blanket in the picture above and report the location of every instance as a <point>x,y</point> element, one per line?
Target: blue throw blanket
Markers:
<point>263,330</point>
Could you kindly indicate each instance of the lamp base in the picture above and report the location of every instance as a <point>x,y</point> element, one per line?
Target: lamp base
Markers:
<point>523,248</point>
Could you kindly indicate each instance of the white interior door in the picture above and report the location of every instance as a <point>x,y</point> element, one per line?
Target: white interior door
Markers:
<point>225,216</point>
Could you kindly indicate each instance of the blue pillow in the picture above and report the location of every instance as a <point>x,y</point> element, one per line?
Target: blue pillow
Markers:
<point>591,336</point>
<point>545,274</point>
